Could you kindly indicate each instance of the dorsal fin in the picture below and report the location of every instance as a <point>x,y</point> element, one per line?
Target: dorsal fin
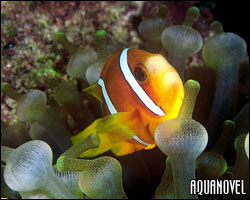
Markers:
<point>95,91</point>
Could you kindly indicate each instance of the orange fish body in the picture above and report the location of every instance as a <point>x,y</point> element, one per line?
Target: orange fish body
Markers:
<point>139,90</point>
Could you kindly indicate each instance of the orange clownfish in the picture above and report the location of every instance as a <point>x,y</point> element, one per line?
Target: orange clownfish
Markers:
<point>138,90</point>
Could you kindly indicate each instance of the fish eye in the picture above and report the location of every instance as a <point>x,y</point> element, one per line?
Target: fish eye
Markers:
<point>140,73</point>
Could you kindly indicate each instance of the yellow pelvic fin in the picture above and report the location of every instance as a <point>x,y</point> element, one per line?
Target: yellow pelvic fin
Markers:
<point>111,129</point>
<point>95,91</point>
<point>125,148</point>
<point>151,146</point>
<point>105,145</point>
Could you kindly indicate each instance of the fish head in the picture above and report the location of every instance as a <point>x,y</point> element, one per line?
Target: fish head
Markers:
<point>159,80</point>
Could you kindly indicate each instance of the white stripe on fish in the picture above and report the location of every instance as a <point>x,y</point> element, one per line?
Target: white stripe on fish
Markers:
<point>112,109</point>
<point>146,100</point>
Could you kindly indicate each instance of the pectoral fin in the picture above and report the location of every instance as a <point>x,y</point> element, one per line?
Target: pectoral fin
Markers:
<point>112,129</point>
<point>107,142</point>
<point>124,148</point>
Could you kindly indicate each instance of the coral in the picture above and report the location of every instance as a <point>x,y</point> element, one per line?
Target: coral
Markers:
<point>93,72</point>
<point>225,137</point>
<point>154,26</point>
<point>182,140</point>
<point>210,165</point>
<point>247,145</point>
<point>32,108</point>
<point>32,53</point>
<point>182,41</point>
<point>98,178</point>
<point>223,52</point>
<point>165,189</point>
<point>242,162</point>
<point>61,52</point>
<point>29,170</point>
<point>79,63</point>
<point>67,95</point>
<point>70,181</point>
<point>17,130</point>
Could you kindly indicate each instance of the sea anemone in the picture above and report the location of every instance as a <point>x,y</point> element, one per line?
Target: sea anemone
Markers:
<point>210,136</point>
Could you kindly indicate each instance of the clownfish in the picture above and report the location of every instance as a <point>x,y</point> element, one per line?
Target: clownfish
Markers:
<point>138,91</point>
